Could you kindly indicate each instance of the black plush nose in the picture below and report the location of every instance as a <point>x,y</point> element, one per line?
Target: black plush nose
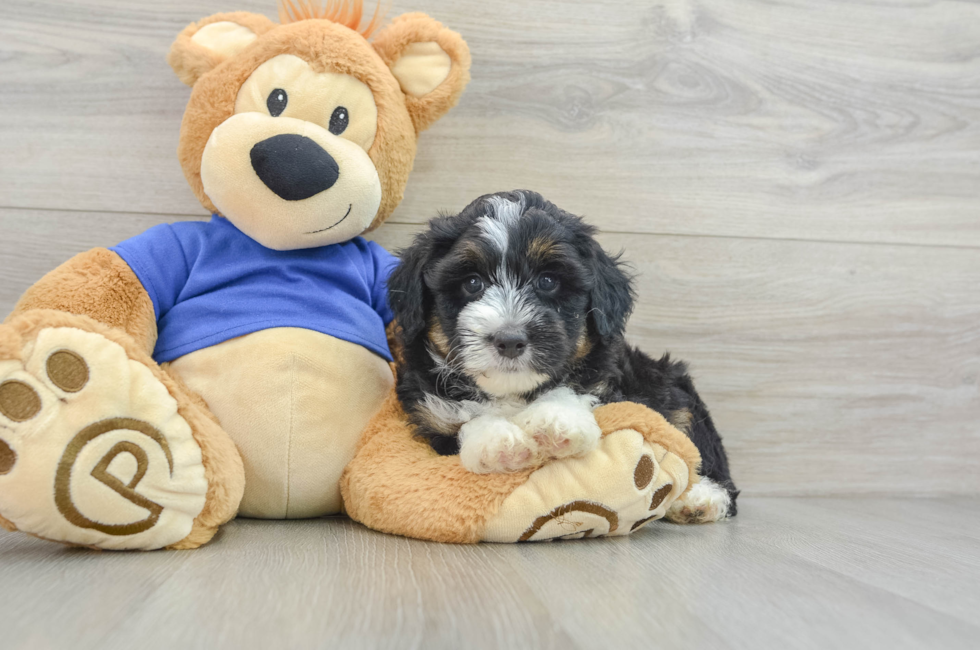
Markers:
<point>294,167</point>
<point>510,344</point>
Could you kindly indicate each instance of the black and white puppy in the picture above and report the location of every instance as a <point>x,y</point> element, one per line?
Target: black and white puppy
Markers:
<point>512,330</point>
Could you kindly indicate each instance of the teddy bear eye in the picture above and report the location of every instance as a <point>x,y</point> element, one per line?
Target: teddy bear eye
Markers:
<point>339,120</point>
<point>277,102</point>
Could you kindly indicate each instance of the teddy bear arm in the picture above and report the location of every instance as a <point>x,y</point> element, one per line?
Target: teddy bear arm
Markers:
<point>100,285</point>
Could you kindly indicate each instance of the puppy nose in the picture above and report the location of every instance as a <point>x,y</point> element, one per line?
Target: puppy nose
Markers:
<point>510,344</point>
<point>294,166</point>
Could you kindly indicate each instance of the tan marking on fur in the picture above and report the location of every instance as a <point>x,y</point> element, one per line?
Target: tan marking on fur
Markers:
<point>682,419</point>
<point>583,348</point>
<point>470,250</point>
<point>541,248</point>
<point>438,337</point>
<point>394,335</point>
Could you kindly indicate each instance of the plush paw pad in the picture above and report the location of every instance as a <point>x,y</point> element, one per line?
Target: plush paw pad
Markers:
<point>493,445</point>
<point>625,483</point>
<point>558,430</point>
<point>92,448</point>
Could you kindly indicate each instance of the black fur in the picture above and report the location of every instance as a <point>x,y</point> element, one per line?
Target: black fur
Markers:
<point>577,334</point>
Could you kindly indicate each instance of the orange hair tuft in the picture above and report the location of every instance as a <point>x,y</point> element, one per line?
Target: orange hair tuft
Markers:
<point>343,12</point>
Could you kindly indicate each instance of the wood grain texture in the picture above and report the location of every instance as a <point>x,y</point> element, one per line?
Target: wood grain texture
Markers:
<point>795,182</point>
<point>829,368</point>
<point>787,573</point>
<point>833,120</point>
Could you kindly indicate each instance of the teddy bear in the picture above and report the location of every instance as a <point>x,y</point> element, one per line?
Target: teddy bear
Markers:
<point>151,391</point>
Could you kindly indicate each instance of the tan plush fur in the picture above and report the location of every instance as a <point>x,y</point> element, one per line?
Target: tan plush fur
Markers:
<point>100,285</point>
<point>398,484</point>
<point>98,292</point>
<point>222,464</point>
<point>419,28</point>
<point>327,47</point>
<point>652,426</point>
<point>190,60</point>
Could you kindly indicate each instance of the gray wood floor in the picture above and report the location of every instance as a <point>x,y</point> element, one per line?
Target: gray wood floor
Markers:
<point>787,573</point>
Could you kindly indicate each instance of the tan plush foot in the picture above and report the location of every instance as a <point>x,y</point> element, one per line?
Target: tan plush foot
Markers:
<point>704,503</point>
<point>615,489</point>
<point>93,450</point>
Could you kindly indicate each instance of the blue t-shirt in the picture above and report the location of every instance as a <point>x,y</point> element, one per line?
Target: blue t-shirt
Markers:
<point>210,282</point>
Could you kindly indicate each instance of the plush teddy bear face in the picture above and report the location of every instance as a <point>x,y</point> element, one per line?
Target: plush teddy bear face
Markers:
<point>304,134</point>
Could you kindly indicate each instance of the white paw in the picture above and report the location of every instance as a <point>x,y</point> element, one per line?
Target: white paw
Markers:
<point>559,429</point>
<point>704,503</point>
<point>489,444</point>
<point>92,448</point>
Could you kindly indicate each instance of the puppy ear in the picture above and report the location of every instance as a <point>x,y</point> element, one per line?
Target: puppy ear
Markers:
<point>203,45</point>
<point>612,294</point>
<point>406,287</point>
<point>430,62</point>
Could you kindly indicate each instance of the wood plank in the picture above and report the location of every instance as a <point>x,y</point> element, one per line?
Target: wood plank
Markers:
<point>786,573</point>
<point>55,597</point>
<point>34,242</point>
<point>829,368</point>
<point>838,120</point>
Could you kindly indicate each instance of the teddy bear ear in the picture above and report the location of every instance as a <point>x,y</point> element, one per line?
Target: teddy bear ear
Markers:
<point>203,45</point>
<point>430,62</point>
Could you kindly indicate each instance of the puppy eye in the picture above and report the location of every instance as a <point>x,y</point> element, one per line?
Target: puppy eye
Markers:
<point>472,285</point>
<point>276,103</point>
<point>547,282</point>
<point>339,120</point>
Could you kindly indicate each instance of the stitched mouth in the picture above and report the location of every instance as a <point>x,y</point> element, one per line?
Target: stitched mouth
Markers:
<point>349,208</point>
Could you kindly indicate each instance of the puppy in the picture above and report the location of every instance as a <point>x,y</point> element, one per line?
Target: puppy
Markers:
<point>512,325</point>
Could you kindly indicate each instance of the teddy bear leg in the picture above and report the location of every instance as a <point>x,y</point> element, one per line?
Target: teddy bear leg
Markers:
<point>641,467</point>
<point>100,447</point>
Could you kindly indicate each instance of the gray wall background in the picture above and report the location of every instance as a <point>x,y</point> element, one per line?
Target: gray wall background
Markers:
<point>796,182</point>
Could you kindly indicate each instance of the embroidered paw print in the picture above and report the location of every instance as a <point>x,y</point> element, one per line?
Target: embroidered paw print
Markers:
<point>619,487</point>
<point>93,450</point>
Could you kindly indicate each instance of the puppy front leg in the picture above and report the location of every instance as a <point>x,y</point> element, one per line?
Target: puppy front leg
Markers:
<point>489,443</point>
<point>561,423</point>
